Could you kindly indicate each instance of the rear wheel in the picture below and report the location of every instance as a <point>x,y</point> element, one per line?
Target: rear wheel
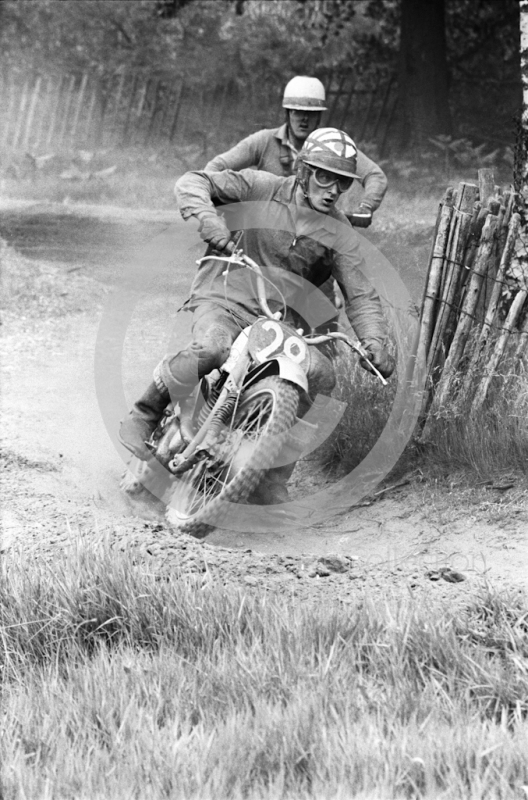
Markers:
<point>254,438</point>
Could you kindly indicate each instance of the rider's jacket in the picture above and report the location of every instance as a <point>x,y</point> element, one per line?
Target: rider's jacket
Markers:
<point>271,150</point>
<point>288,239</point>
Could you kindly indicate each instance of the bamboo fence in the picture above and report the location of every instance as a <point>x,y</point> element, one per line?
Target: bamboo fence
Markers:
<point>474,309</point>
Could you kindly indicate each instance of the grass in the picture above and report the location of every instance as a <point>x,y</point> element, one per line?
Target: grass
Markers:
<point>484,445</point>
<point>495,443</point>
<point>492,441</point>
<point>368,409</point>
<point>119,685</point>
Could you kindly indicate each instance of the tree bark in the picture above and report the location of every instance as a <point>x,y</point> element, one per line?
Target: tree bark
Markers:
<point>521,166</point>
<point>423,76</point>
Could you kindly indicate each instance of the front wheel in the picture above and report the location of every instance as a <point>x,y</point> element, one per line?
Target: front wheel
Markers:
<point>253,439</point>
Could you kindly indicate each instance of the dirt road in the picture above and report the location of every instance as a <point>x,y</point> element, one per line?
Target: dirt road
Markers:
<point>101,289</point>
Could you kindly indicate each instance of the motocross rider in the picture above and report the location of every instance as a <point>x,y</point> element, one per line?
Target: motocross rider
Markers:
<point>296,207</point>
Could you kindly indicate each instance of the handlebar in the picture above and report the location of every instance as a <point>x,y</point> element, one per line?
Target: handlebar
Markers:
<point>239,257</point>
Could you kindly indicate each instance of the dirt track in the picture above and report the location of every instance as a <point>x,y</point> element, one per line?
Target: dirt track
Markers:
<point>61,464</point>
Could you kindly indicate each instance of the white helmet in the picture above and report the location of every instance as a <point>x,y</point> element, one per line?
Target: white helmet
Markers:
<point>304,94</point>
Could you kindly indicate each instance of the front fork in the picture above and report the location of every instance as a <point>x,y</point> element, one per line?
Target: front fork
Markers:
<point>207,434</point>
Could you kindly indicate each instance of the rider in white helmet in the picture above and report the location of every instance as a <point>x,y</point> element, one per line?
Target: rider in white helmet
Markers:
<point>330,156</point>
<point>304,99</point>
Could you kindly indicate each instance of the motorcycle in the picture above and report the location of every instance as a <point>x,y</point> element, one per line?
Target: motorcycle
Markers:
<point>213,448</point>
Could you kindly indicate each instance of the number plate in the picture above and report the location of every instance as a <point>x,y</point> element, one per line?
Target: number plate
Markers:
<point>269,338</point>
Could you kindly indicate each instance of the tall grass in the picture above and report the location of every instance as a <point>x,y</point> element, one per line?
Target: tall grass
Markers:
<point>483,444</point>
<point>368,406</point>
<point>119,685</point>
<point>490,441</point>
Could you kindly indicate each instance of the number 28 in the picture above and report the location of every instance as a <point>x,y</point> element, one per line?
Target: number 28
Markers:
<point>292,347</point>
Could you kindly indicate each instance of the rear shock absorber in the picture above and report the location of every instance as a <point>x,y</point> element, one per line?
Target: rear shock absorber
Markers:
<point>223,414</point>
<point>221,417</point>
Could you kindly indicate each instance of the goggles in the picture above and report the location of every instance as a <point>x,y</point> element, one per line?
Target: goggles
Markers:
<point>325,179</point>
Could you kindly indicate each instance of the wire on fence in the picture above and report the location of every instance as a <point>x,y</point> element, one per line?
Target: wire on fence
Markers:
<point>474,302</point>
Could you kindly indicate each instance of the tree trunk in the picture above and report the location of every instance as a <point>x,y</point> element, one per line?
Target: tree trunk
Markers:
<point>423,79</point>
<point>521,155</point>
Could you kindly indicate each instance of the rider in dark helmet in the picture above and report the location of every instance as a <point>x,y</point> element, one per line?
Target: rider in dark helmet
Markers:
<point>330,157</point>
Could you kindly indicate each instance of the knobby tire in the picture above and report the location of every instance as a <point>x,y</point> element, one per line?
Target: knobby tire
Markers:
<point>273,402</point>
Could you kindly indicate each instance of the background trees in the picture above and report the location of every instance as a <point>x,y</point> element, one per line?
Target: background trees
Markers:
<point>423,77</point>
<point>456,61</point>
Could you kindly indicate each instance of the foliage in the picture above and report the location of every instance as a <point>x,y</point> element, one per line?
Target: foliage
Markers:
<point>464,153</point>
<point>268,38</point>
<point>108,35</point>
<point>483,39</point>
<point>86,34</point>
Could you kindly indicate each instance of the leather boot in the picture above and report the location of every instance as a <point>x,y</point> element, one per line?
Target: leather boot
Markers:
<point>139,425</point>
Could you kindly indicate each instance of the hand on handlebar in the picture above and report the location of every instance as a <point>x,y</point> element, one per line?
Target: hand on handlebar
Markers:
<point>215,232</point>
<point>361,217</point>
<point>380,358</point>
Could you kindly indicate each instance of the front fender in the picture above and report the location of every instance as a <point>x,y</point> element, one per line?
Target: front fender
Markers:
<point>283,367</point>
<point>292,372</point>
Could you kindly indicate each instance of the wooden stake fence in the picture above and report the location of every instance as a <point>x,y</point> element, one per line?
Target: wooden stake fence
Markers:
<point>467,318</point>
<point>51,113</point>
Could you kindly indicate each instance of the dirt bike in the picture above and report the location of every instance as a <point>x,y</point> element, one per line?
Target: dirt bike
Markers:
<point>212,448</point>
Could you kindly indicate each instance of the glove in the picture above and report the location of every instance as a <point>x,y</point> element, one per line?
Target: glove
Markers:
<point>380,358</point>
<point>361,217</point>
<point>214,231</point>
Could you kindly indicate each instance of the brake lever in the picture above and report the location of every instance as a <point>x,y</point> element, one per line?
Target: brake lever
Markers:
<point>363,353</point>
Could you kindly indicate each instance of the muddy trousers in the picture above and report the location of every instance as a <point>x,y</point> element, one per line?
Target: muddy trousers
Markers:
<point>214,330</point>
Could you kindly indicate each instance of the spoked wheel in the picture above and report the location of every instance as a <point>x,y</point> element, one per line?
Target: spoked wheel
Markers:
<point>252,442</point>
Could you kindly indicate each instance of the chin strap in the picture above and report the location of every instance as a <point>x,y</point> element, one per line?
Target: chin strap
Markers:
<point>302,181</point>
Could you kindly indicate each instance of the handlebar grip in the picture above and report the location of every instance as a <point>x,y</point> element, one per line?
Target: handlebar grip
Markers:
<point>235,241</point>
